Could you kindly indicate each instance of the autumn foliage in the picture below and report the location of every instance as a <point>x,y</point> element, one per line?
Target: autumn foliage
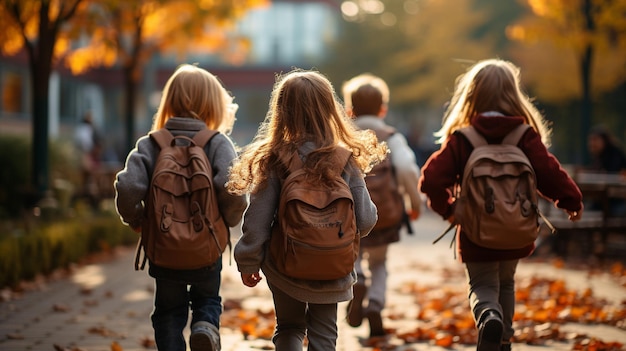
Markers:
<point>440,315</point>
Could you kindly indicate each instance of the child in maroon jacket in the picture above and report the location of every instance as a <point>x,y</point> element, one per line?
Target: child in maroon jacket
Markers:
<point>489,97</point>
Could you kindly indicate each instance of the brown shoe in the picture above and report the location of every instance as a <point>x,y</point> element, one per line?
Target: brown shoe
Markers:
<point>355,307</point>
<point>375,319</point>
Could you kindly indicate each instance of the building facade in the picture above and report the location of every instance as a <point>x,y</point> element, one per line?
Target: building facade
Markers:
<point>284,35</point>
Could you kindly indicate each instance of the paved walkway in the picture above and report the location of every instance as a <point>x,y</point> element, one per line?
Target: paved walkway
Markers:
<point>106,306</point>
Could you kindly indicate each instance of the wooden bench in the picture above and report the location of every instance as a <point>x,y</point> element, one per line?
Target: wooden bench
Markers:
<point>597,225</point>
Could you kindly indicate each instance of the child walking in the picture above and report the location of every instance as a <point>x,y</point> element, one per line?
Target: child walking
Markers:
<point>304,118</point>
<point>366,98</point>
<point>489,97</point>
<point>193,100</point>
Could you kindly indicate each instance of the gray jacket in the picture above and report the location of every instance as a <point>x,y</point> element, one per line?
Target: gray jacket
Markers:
<point>132,183</point>
<point>403,159</point>
<point>251,251</point>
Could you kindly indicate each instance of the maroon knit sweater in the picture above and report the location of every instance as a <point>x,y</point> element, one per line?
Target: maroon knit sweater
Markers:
<point>445,167</point>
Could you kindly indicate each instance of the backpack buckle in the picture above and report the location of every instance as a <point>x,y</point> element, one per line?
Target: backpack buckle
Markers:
<point>166,217</point>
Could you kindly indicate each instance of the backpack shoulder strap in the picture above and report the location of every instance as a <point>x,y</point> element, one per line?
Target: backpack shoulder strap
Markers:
<point>473,136</point>
<point>343,156</point>
<point>384,133</point>
<point>163,137</point>
<point>203,136</point>
<point>515,135</point>
<point>295,163</point>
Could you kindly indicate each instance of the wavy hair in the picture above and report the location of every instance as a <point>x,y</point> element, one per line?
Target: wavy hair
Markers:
<point>303,108</point>
<point>491,85</point>
<point>193,92</point>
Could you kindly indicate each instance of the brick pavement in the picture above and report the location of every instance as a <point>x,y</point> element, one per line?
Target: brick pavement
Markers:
<point>109,302</point>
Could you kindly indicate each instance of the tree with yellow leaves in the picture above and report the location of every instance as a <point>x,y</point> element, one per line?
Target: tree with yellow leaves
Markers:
<point>418,47</point>
<point>128,33</point>
<point>37,26</point>
<point>117,32</point>
<point>573,48</point>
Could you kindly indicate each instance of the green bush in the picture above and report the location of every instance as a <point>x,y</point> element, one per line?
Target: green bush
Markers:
<point>46,246</point>
<point>15,174</point>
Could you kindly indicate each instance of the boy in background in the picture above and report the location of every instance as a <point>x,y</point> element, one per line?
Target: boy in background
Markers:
<point>366,99</point>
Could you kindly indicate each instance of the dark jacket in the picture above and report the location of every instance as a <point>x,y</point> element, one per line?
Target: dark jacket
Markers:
<point>445,167</point>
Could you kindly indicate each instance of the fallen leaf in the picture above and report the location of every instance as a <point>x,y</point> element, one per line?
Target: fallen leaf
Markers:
<point>115,346</point>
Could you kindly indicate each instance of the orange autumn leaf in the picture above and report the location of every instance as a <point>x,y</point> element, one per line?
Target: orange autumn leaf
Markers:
<point>444,340</point>
<point>148,343</point>
<point>115,346</point>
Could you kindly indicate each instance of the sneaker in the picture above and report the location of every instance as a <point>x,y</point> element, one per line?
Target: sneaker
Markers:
<point>375,319</point>
<point>204,337</point>
<point>355,307</point>
<point>490,332</point>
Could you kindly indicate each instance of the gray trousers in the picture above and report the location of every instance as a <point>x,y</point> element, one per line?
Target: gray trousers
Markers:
<point>295,318</point>
<point>376,257</point>
<point>492,287</point>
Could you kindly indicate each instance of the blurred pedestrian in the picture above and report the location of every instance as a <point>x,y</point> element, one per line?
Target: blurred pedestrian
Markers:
<point>397,198</point>
<point>490,98</point>
<point>607,156</point>
<point>606,153</point>
<point>89,146</point>
<point>306,118</point>
<point>193,100</point>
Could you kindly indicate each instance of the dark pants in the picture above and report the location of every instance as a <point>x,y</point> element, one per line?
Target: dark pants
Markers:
<point>295,318</point>
<point>172,300</point>
<point>492,287</point>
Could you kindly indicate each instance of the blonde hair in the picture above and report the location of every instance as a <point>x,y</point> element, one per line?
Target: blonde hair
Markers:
<point>491,85</point>
<point>303,108</point>
<point>193,92</point>
<point>348,88</point>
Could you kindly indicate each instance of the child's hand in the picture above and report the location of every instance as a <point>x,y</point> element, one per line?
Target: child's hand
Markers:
<point>575,215</point>
<point>414,214</point>
<point>251,279</point>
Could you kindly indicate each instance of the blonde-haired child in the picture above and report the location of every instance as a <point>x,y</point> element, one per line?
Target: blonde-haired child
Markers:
<point>490,98</point>
<point>193,99</point>
<point>304,118</point>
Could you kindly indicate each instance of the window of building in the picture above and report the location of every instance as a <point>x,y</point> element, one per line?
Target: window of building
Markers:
<point>12,93</point>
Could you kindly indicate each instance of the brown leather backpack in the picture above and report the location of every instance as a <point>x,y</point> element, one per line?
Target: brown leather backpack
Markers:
<point>383,189</point>
<point>497,204</point>
<point>182,226</point>
<point>314,236</point>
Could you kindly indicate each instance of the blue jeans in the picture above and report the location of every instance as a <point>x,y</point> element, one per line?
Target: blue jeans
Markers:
<point>492,287</point>
<point>172,300</point>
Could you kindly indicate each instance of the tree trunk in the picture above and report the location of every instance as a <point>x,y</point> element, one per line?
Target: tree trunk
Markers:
<point>40,57</point>
<point>130,89</point>
<point>40,81</point>
<point>132,76</point>
<point>586,65</point>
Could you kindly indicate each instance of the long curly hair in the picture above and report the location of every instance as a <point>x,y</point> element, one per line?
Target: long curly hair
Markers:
<point>303,108</point>
<point>491,85</point>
